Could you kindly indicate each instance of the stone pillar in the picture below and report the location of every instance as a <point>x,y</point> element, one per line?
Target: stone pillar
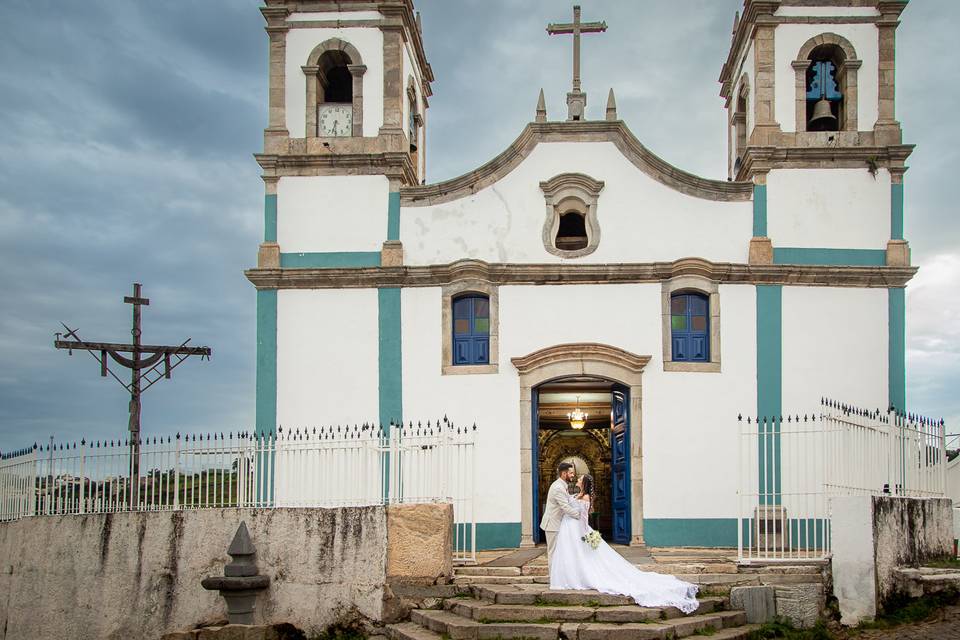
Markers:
<point>275,135</point>
<point>392,75</point>
<point>887,130</point>
<point>356,73</point>
<point>765,130</point>
<point>526,468</point>
<point>636,466</point>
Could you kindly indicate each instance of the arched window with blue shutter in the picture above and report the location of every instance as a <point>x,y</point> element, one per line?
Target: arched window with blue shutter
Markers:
<point>471,329</point>
<point>690,327</point>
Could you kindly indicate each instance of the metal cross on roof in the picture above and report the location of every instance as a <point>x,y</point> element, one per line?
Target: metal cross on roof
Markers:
<point>148,365</point>
<point>576,99</point>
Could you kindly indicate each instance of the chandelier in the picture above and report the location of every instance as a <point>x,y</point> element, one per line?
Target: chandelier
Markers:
<point>577,417</point>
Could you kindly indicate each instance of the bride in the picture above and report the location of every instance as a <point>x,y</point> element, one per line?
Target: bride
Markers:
<point>576,565</point>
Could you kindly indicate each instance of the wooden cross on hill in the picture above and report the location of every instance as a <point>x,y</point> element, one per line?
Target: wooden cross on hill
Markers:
<point>576,99</point>
<point>148,365</point>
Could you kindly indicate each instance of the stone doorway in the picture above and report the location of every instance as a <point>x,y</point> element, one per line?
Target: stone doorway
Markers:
<point>588,449</point>
<point>579,361</point>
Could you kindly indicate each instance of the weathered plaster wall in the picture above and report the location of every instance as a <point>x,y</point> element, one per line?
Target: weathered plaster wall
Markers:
<point>332,213</point>
<point>828,208</point>
<point>138,575</point>
<point>641,220</point>
<point>624,316</point>
<point>953,481</point>
<point>327,357</point>
<point>871,536</point>
<point>907,533</point>
<point>300,42</point>
<point>825,330</point>
<point>789,38</point>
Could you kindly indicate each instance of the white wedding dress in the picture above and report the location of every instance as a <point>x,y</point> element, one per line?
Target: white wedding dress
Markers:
<point>576,565</point>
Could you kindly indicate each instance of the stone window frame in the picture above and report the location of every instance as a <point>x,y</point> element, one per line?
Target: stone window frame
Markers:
<point>692,284</point>
<point>576,192</point>
<point>846,76</point>
<point>448,293</point>
<point>741,137</point>
<point>414,105</point>
<point>312,72</point>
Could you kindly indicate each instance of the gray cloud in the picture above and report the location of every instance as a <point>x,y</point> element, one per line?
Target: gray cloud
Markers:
<point>126,155</point>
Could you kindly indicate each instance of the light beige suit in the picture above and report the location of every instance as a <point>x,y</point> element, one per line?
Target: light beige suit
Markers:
<point>557,504</point>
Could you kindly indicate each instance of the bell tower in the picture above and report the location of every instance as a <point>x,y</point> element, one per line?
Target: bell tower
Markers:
<point>809,89</point>
<point>349,85</point>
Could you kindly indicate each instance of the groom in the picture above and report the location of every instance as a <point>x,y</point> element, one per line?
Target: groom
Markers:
<point>558,503</point>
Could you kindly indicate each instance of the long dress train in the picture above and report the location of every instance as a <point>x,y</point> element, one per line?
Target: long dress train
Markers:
<point>575,565</point>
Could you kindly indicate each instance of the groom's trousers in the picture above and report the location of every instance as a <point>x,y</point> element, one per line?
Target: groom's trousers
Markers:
<point>551,543</point>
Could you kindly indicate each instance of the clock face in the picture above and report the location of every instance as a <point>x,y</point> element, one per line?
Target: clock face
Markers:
<point>335,120</point>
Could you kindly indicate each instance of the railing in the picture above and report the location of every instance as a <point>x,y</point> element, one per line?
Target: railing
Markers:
<point>790,467</point>
<point>320,467</point>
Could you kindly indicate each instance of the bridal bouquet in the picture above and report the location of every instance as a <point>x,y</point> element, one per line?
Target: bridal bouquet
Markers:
<point>593,539</point>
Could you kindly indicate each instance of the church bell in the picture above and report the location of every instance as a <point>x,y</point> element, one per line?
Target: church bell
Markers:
<point>823,112</point>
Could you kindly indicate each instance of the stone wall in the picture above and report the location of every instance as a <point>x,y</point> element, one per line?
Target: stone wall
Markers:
<point>871,536</point>
<point>137,575</point>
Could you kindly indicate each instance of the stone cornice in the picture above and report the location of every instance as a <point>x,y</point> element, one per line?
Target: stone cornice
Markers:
<point>577,131</point>
<point>763,159</point>
<point>395,165</point>
<point>580,351</point>
<point>561,274</point>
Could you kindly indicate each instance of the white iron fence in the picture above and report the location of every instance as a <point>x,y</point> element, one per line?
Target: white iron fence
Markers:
<point>320,467</point>
<point>790,467</point>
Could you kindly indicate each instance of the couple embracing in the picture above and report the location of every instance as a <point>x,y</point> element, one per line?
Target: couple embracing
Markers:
<point>580,559</point>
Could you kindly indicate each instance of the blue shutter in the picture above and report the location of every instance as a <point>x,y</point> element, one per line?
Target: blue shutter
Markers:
<point>690,327</point>
<point>471,333</point>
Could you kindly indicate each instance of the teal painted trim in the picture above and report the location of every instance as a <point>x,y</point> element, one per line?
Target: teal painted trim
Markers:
<point>840,257</point>
<point>266,360</point>
<point>491,535</point>
<point>690,532</point>
<point>896,212</point>
<point>266,386</point>
<point>769,382</point>
<point>390,371</point>
<point>896,348</point>
<point>270,218</point>
<point>759,211</point>
<point>330,260</point>
<point>393,216</point>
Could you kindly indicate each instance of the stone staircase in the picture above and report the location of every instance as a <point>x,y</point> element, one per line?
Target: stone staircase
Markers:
<point>534,612</point>
<point>501,602</point>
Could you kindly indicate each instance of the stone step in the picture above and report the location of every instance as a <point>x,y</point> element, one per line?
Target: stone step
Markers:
<point>487,571</point>
<point>456,627</point>
<point>486,611</point>
<point>541,595</point>
<point>413,631</point>
<point>461,579</point>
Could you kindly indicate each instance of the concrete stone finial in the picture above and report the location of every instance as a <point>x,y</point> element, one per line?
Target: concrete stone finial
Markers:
<point>240,582</point>
<point>611,106</point>
<point>541,108</point>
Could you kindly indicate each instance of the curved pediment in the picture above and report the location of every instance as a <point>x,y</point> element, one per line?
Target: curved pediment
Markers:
<point>587,131</point>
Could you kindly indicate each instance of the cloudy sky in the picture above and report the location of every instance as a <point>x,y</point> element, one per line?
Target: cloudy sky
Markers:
<point>126,146</point>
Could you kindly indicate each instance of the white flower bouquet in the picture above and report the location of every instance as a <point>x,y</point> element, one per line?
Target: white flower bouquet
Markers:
<point>593,539</point>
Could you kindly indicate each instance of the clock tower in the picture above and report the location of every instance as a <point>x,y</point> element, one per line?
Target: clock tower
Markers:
<point>348,92</point>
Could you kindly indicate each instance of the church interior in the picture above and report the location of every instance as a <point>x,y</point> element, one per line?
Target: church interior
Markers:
<point>564,435</point>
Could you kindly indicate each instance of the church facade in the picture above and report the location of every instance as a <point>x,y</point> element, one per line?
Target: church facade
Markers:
<point>579,273</point>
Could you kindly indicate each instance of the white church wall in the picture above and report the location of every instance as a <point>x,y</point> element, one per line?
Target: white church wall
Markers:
<point>331,213</point>
<point>835,343</point>
<point>828,208</point>
<point>326,16</point>
<point>300,42</point>
<point>689,421</point>
<point>327,357</point>
<point>789,38</point>
<point>679,446</point>
<point>825,11</point>
<point>640,219</point>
